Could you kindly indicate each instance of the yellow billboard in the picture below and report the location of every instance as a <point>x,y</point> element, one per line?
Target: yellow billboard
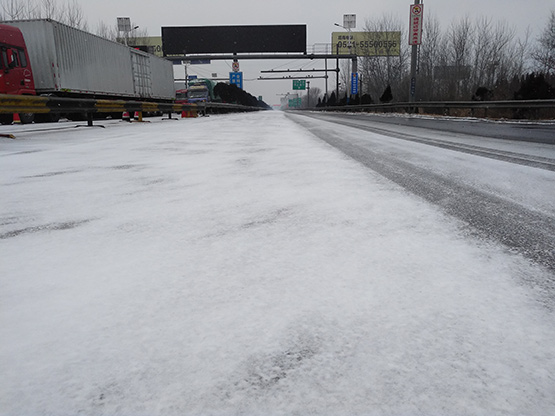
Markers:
<point>150,44</point>
<point>366,43</point>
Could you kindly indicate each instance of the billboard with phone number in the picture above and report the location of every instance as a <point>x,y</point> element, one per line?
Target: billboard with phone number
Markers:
<point>366,43</point>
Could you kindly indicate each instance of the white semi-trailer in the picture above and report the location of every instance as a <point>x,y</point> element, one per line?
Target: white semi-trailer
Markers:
<point>45,57</point>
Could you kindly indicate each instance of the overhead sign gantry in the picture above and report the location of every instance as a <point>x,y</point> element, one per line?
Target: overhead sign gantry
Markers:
<point>208,43</point>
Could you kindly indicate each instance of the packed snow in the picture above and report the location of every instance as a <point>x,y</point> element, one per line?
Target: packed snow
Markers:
<point>236,264</point>
<point>529,187</point>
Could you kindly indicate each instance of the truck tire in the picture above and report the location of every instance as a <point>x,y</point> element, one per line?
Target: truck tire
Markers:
<point>6,119</point>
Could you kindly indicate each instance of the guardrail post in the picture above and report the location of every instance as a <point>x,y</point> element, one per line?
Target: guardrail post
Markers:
<point>89,119</point>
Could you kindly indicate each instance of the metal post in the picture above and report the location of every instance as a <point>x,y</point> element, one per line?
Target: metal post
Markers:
<point>89,119</point>
<point>337,77</point>
<point>355,65</point>
<point>350,71</point>
<point>326,66</point>
<point>413,62</point>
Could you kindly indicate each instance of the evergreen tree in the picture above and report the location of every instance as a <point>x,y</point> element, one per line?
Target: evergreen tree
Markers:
<point>332,101</point>
<point>387,95</point>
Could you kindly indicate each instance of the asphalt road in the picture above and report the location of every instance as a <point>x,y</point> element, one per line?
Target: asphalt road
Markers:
<point>521,228</point>
<point>535,132</point>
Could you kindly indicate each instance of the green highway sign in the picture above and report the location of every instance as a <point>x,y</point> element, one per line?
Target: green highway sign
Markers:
<point>295,102</point>
<point>299,84</point>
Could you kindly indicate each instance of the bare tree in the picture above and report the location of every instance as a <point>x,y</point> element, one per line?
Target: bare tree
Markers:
<point>433,54</point>
<point>14,9</point>
<point>460,37</point>
<point>544,53</point>
<point>489,54</point>
<point>69,13</point>
<point>381,71</point>
<point>107,32</point>
<point>517,57</point>
<point>74,16</point>
<point>315,93</point>
<point>50,10</point>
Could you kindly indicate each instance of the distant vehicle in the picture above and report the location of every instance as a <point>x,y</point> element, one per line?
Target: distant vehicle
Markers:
<point>181,96</point>
<point>201,90</point>
<point>45,57</point>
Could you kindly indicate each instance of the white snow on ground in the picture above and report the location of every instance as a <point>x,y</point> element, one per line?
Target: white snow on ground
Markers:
<point>528,186</point>
<point>238,265</point>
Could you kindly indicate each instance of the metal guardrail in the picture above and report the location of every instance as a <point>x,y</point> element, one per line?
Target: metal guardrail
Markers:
<point>89,107</point>
<point>445,105</point>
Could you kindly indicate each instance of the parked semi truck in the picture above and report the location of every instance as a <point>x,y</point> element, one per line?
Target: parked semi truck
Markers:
<point>45,57</point>
<point>201,90</point>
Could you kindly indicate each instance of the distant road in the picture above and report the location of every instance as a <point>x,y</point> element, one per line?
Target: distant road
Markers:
<point>499,178</point>
<point>537,132</point>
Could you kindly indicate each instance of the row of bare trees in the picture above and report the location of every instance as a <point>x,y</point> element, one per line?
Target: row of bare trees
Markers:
<point>544,52</point>
<point>470,55</point>
<point>68,12</point>
<point>454,62</point>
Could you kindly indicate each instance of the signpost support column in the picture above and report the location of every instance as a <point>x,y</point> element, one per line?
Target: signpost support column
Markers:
<point>415,39</point>
<point>354,78</point>
<point>337,76</point>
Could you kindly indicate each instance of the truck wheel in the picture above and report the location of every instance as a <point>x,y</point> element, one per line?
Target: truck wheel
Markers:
<point>6,119</point>
<point>26,118</point>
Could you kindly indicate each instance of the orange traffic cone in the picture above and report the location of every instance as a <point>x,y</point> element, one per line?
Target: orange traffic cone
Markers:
<point>16,119</point>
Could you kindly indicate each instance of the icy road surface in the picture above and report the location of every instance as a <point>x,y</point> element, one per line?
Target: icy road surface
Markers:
<point>504,189</point>
<point>239,265</point>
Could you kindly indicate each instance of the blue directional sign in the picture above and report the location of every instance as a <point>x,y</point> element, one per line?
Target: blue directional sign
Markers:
<point>354,83</point>
<point>236,78</point>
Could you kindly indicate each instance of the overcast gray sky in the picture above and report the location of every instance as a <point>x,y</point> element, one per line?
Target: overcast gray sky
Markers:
<point>318,15</point>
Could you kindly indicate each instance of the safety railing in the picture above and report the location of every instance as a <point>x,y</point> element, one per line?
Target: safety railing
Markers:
<point>445,107</point>
<point>89,107</point>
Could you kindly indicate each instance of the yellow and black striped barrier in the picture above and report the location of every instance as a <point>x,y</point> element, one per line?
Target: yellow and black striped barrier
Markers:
<point>38,105</point>
<point>23,104</point>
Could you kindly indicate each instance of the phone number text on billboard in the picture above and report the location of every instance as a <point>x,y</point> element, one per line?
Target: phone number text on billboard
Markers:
<point>367,43</point>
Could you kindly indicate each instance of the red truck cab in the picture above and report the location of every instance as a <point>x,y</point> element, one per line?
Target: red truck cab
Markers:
<point>181,96</point>
<point>16,76</point>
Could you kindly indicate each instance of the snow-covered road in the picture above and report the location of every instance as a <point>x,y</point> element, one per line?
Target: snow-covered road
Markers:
<point>504,189</point>
<point>239,265</point>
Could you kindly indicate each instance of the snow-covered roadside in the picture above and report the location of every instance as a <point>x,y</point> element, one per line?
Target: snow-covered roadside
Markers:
<point>238,265</point>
